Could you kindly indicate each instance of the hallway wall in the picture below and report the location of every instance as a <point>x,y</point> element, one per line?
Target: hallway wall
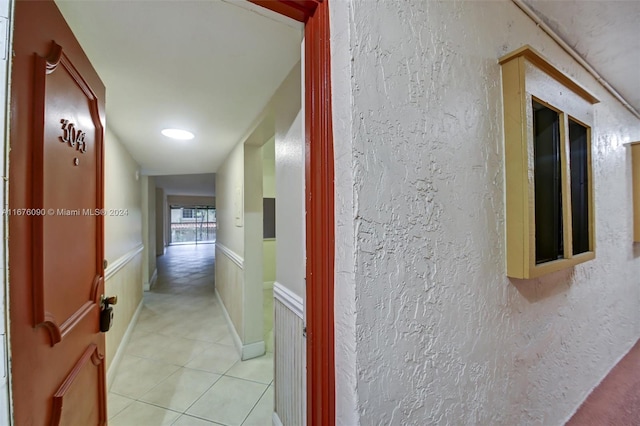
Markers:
<point>230,237</point>
<point>435,331</point>
<point>190,200</point>
<point>121,191</point>
<point>290,181</point>
<point>151,228</point>
<point>239,245</point>
<point>230,194</point>
<point>269,191</point>
<point>148,189</point>
<point>123,239</point>
<point>253,249</point>
<point>161,216</point>
<point>239,193</point>
<point>289,288</point>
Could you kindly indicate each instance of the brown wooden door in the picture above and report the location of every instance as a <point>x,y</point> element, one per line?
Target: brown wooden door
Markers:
<point>55,236</point>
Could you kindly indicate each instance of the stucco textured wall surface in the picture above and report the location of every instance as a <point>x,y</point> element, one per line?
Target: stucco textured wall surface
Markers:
<point>442,336</point>
<point>344,285</point>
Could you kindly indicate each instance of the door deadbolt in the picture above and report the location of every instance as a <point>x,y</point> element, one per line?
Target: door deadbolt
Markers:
<point>106,312</point>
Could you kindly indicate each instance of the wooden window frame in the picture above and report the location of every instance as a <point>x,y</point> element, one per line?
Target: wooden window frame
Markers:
<point>319,203</point>
<point>528,77</point>
<point>635,173</point>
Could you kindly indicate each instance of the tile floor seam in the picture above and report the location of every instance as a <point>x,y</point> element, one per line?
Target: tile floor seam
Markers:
<point>248,380</point>
<point>159,406</point>
<point>122,395</point>
<point>201,395</point>
<point>199,418</point>
<point>254,407</point>
<point>170,295</point>
<point>197,398</point>
<point>169,363</point>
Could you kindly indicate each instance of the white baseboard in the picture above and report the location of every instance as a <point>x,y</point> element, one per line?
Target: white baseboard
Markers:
<point>148,286</point>
<point>251,350</point>
<point>113,366</point>
<point>276,420</point>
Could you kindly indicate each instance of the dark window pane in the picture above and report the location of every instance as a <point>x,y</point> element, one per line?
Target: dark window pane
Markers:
<point>548,184</point>
<point>269,217</point>
<point>579,187</point>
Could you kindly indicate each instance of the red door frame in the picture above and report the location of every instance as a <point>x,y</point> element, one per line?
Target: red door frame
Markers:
<point>319,205</point>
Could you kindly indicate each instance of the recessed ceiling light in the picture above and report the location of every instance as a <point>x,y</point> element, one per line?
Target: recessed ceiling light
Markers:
<point>180,134</point>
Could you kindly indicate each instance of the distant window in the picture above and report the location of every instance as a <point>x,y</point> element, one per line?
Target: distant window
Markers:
<point>188,214</point>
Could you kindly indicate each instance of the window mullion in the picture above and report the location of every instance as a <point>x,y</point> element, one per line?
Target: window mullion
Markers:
<point>566,186</point>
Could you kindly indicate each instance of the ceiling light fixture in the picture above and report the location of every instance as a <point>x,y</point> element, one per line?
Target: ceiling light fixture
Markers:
<point>179,134</point>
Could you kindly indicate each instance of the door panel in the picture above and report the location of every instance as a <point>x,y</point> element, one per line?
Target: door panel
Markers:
<point>56,244</point>
<point>78,401</point>
<point>65,182</point>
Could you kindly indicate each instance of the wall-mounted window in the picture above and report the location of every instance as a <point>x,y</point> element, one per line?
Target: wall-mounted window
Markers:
<point>549,185</point>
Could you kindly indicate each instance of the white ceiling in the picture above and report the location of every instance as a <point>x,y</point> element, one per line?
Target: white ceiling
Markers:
<point>207,66</point>
<point>604,33</point>
<point>211,66</point>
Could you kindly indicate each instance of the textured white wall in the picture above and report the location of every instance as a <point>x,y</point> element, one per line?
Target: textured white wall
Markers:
<point>442,336</point>
<point>345,313</point>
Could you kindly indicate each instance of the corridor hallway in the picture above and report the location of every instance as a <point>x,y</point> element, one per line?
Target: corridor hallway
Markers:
<point>180,366</point>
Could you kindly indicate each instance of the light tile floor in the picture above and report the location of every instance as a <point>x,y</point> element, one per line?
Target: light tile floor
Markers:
<point>180,367</point>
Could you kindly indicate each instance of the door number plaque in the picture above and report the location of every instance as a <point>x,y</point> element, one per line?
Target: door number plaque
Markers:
<point>74,137</point>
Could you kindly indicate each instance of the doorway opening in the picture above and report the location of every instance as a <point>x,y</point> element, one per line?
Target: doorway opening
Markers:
<point>319,205</point>
<point>193,225</point>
